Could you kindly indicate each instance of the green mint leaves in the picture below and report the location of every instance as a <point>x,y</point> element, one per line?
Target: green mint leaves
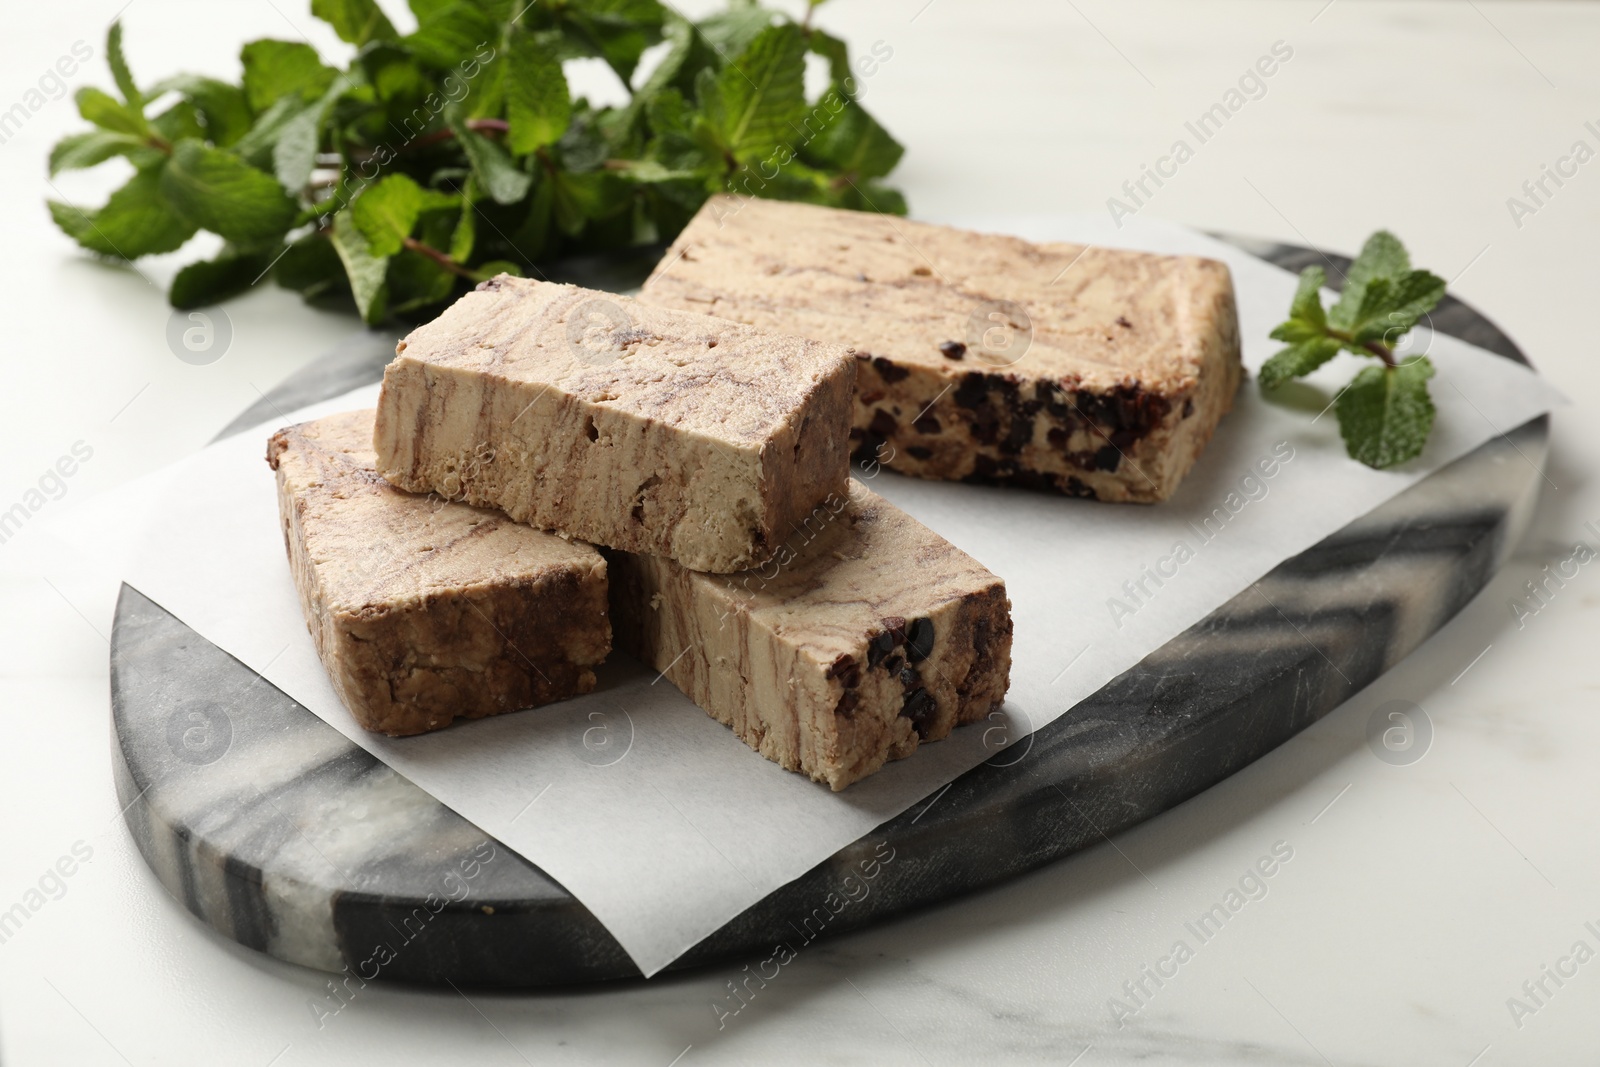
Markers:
<point>538,104</point>
<point>1385,413</point>
<point>136,221</point>
<point>442,156</point>
<point>276,69</point>
<point>356,21</point>
<point>752,105</point>
<point>218,191</point>
<point>388,212</point>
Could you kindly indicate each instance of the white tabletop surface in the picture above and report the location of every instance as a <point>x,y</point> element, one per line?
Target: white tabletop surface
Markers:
<point>1419,898</point>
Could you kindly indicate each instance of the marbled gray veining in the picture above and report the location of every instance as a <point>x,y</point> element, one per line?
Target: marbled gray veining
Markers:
<point>274,829</point>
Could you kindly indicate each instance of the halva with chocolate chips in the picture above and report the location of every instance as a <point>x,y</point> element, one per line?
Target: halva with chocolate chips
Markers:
<point>640,428</point>
<point>1084,370</point>
<point>423,610</point>
<point>866,635</point>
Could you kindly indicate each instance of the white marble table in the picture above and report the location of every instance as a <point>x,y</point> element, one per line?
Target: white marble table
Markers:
<point>1418,899</point>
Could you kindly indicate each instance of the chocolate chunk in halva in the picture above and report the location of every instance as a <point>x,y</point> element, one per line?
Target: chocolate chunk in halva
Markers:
<point>866,635</point>
<point>1083,370</point>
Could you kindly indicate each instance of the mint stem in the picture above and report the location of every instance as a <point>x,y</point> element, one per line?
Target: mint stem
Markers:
<point>1377,348</point>
<point>438,257</point>
<point>476,125</point>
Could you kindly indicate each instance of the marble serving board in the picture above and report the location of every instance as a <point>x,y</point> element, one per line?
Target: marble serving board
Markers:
<point>271,827</point>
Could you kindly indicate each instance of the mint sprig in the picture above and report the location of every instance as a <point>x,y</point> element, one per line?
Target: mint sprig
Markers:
<point>441,156</point>
<point>1385,413</point>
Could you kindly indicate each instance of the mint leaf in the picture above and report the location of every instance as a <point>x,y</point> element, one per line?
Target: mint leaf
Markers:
<point>397,77</point>
<point>448,33</point>
<point>532,237</point>
<point>465,235</point>
<point>580,199</point>
<point>504,12</point>
<point>275,69</point>
<point>1390,306</point>
<point>585,146</point>
<point>538,103</point>
<point>416,281</point>
<point>1306,320</point>
<point>107,113</point>
<point>853,143</point>
<point>872,195</point>
<point>294,155</point>
<point>1376,296</point>
<point>496,172</point>
<point>222,193</point>
<point>1295,331</point>
<point>759,98</point>
<point>650,172</point>
<point>1307,303</point>
<point>1382,257</point>
<point>177,122</point>
<point>367,272</point>
<point>119,67</point>
<point>88,149</point>
<point>387,212</point>
<point>1397,307</point>
<point>256,147</point>
<point>675,146</point>
<point>836,52</point>
<point>681,39</point>
<point>730,32</point>
<point>1297,360</point>
<point>211,281</point>
<point>1385,414</point>
<point>797,181</point>
<point>311,266</point>
<point>224,109</point>
<point>618,31</point>
<point>135,221</point>
<point>356,21</point>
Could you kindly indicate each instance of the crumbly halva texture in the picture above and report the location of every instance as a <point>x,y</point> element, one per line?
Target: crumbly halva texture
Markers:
<point>866,635</point>
<point>425,611</point>
<point>636,427</point>
<point>1089,371</point>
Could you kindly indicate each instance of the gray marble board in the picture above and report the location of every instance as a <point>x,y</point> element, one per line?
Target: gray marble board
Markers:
<point>271,827</point>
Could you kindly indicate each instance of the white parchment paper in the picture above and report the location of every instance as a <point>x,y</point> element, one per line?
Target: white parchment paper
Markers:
<point>654,815</point>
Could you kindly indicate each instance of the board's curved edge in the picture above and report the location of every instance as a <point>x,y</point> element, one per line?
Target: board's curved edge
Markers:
<point>1034,818</point>
<point>234,800</point>
<point>267,881</point>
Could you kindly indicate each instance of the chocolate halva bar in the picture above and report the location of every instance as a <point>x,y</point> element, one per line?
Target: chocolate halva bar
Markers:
<point>635,427</point>
<point>1085,370</point>
<point>424,611</point>
<point>866,635</point>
